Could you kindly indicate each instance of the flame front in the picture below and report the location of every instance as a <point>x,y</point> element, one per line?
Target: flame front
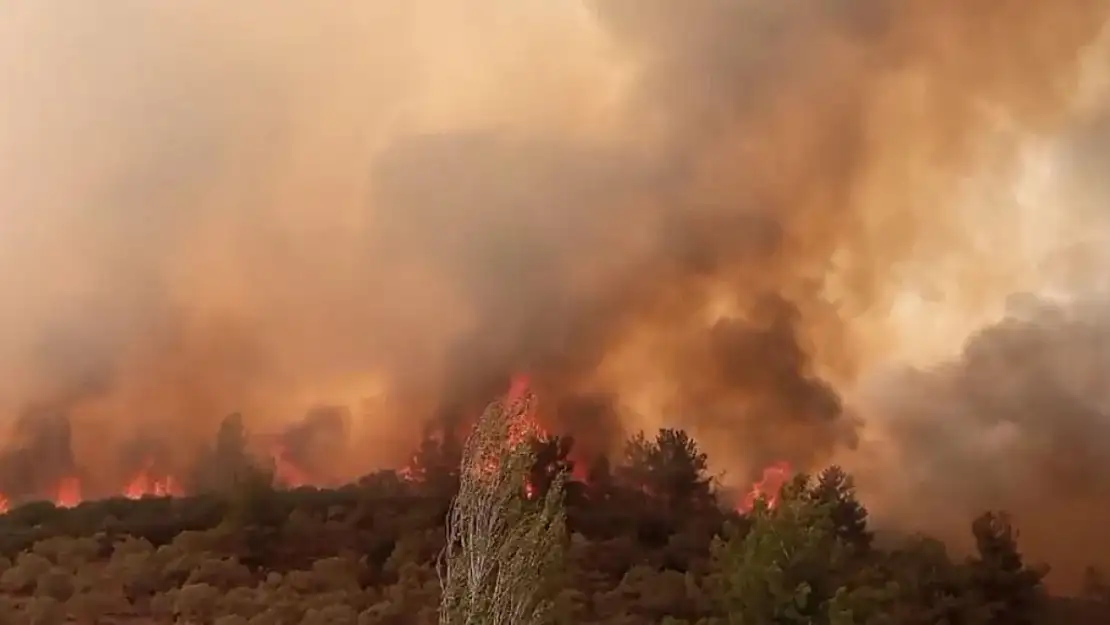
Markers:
<point>523,427</point>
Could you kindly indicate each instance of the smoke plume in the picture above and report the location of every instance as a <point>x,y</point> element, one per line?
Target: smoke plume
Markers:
<point>700,214</point>
<point>1019,422</point>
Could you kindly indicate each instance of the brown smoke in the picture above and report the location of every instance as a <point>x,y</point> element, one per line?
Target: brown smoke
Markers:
<point>683,213</point>
<point>1020,422</point>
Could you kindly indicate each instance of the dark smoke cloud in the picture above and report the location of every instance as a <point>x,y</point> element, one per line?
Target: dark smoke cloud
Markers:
<point>545,298</point>
<point>667,213</point>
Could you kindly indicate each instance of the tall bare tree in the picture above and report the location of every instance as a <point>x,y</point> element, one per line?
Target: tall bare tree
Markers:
<point>504,547</point>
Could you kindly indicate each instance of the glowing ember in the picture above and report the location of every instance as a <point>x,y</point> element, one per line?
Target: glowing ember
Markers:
<point>767,487</point>
<point>68,493</point>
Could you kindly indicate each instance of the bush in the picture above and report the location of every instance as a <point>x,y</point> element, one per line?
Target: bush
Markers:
<point>23,576</point>
<point>196,602</point>
<point>57,584</point>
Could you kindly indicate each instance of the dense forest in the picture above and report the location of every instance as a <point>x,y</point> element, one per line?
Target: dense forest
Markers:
<point>643,539</point>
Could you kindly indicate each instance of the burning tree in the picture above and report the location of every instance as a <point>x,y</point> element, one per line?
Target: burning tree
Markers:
<point>503,548</point>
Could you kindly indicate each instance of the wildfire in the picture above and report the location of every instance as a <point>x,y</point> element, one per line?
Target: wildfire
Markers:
<point>523,427</point>
<point>518,388</point>
<point>68,493</point>
<point>285,472</point>
<point>767,487</point>
<point>146,484</point>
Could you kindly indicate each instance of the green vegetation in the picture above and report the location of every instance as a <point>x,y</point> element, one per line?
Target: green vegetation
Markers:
<point>515,541</point>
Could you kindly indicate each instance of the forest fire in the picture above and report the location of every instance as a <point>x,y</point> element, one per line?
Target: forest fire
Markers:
<point>286,472</point>
<point>768,487</point>
<point>284,454</point>
<point>147,484</point>
<point>522,425</point>
<point>774,226</point>
<point>69,493</point>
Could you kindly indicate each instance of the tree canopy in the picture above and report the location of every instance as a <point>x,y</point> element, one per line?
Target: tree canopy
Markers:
<point>643,538</point>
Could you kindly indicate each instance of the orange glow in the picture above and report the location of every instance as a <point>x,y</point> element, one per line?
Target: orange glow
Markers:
<point>286,472</point>
<point>523,427</point>
<point>68,492</point>
<point>768,486</point>
<point>146,484</point>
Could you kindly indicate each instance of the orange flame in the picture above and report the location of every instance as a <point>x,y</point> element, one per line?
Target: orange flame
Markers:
<point>518,388</point>
<point>768,486</point>
<point>68,492</point>
<point>522,427</point>
<point>145,484</point>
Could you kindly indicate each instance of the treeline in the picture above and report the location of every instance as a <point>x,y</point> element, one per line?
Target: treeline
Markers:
<point>645,541</point>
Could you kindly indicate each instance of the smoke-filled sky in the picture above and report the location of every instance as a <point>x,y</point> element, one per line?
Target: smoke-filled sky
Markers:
<point>741,217</point>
